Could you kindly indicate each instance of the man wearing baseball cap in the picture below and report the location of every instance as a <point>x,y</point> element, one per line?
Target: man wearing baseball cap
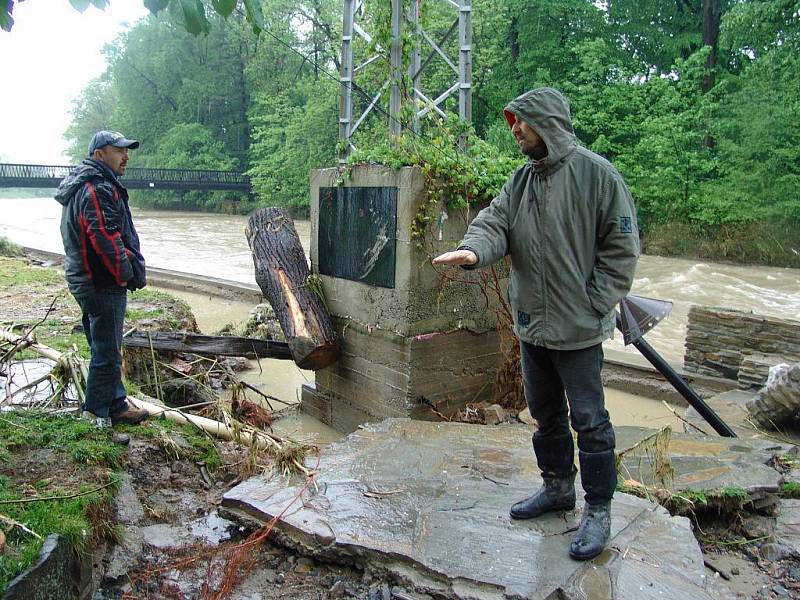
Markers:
<point>103,262</point>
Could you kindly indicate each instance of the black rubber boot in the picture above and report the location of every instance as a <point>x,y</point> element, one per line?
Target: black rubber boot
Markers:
<point>555,457</point>
<point>555,494</point>
<point>599,479</point>
<point>593,532</point>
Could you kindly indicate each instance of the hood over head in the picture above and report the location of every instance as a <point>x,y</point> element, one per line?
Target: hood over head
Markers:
<point>87,170</point>
<point>547,111</point>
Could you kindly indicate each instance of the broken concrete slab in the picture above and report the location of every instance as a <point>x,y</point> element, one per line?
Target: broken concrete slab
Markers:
<point>706,463</point>
<point>427,503</point>
<point>787,530</point>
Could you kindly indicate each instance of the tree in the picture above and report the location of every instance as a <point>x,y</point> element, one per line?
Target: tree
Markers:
<point>92,111</point>
<point>192,14</point>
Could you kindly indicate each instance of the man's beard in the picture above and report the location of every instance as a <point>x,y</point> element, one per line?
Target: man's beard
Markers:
<point>538,152</point>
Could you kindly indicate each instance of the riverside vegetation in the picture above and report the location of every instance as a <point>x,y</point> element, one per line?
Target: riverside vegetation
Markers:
<point>695,103</point>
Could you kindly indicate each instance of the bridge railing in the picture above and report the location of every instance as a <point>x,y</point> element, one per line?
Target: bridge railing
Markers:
<point>26,175</point>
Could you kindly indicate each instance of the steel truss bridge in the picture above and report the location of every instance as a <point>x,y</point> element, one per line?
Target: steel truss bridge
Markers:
<point>49,176</point>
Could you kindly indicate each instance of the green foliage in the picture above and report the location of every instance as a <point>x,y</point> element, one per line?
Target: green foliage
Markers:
<point>790,489</point>
<point>293,131</point>
<point>458,178</point>
<point>192,15</point>
<point>79,518</point>
<point>9,248</point>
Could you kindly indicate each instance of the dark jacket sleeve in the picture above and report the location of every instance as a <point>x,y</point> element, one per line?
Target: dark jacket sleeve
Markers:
<point>487,235</point>
<point>617,248</point>
<point>101,220</point>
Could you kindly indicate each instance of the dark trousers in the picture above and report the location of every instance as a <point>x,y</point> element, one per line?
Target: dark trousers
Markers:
<point>564,387</point>
<point>103,318</point>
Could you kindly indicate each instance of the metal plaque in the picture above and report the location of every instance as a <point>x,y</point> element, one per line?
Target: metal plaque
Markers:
<point>356,234</point>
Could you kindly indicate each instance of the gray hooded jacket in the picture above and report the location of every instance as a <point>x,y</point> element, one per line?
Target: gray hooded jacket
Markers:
<point>569,225</point>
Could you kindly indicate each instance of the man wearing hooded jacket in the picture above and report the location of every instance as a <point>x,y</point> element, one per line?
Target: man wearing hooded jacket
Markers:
<point>103,262</point>
<point>568,223</point>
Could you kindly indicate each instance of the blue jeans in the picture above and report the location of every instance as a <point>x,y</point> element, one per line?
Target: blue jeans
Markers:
<point>555,379</point>
<point>103,318</point>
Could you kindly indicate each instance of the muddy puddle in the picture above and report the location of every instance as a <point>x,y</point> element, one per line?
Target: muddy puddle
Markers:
<point>282,379</point>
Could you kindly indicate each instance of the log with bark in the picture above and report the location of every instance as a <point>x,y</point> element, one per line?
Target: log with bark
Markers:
<point>283,276</point>
<point>214,345</point>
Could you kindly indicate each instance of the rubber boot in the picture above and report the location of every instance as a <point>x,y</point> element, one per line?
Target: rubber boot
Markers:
<point>599,479</point>
<point>593,532</point>
<point>555,457</point>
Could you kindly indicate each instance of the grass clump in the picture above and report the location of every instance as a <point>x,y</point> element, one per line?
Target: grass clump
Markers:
<point>18,272</point>
<point>78,438</point>
<point>9,248</point>
<point>73,500</point>
<point>790,490</point>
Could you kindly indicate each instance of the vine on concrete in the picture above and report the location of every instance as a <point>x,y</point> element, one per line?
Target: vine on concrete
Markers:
<point>454,178</point>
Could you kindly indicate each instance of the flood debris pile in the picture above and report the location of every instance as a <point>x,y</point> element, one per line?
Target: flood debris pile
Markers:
<point>210,430</point>
<point>262,324</point>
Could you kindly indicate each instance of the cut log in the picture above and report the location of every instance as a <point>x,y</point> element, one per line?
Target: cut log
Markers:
<point>282,274</point>
<point>213,345</point>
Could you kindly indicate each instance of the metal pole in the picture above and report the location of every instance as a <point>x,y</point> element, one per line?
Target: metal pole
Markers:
<point>683,388</point>
<point>396,58</point>
<point>414,70</point>
<point>465,62</point>
<point>346,98</point>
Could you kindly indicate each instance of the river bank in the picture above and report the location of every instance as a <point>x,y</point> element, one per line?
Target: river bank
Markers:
<point>212,245</point>
<point>162,508</point>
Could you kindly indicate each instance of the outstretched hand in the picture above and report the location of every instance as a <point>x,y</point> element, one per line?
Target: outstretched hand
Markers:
<point>456,257</point>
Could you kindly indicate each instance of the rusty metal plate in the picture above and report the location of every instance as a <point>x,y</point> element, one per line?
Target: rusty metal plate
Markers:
<point>356,234</point>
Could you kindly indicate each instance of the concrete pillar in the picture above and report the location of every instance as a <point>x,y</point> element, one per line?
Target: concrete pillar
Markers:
<point>410,337</point>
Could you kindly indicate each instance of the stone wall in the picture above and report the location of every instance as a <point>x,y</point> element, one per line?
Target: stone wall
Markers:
<point>738,345</point>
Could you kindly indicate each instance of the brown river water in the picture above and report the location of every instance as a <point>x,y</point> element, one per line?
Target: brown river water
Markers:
<point>215,246</point>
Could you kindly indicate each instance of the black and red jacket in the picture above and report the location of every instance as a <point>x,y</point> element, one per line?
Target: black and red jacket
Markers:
<point>100,242</point>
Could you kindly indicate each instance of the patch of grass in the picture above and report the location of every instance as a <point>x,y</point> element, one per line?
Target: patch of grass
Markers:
<point>767,243</point>
<point>790,489</point>
<point>79,519</point>
<point>79,438</point>
<point>202,447</point>
<point>17,271</point>
<point>9,248</point>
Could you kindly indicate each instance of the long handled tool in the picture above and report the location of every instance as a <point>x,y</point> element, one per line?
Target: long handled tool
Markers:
<point>638,315</point>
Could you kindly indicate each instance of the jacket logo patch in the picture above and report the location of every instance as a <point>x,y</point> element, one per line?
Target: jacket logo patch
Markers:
<point>523,318</point>
<point>625,225</point>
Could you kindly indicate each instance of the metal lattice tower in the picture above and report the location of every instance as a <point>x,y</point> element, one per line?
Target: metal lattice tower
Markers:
<point>422,101</point>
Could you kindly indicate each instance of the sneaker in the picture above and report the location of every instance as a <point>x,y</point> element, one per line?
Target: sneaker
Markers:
<point>129,416</point>
<point>118,438</point>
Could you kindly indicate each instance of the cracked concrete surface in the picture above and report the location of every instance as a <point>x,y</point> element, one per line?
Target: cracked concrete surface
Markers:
<point>427,504</point>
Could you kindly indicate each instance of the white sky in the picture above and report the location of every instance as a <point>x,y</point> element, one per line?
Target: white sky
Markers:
<point>45,61</point>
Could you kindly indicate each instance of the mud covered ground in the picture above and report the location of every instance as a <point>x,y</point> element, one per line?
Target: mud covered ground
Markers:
<point>170,541</point>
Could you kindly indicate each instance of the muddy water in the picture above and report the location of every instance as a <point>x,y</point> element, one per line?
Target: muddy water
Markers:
<point>215,245</point>
<point>283,379</point>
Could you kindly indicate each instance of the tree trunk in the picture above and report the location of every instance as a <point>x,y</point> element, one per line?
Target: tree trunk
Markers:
<point>213,345</point>
<point>282,274</point>
<point>712,16</point>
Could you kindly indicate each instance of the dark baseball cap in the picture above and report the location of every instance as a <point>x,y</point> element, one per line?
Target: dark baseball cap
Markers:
<point>104,138</point>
